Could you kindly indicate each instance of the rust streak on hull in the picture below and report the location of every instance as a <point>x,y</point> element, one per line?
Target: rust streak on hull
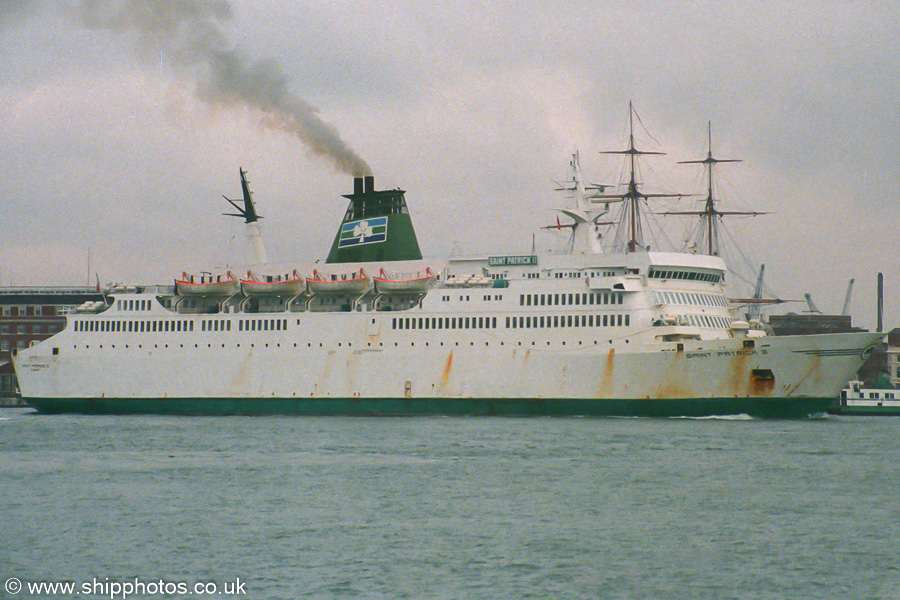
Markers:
<point>448,368</point>
<point>738,376</point>
<point>606,382</point>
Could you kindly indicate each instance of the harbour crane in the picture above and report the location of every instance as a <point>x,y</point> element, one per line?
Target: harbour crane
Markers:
<point>754,304</point>
<point>812,305</point>
<point>846,310</point>
<point>753,313</point>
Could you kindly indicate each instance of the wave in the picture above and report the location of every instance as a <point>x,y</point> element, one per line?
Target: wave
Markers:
<point>740,417</point>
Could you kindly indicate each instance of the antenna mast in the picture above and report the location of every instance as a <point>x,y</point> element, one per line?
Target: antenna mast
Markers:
<point>585,214</point>
<point>247,211</point>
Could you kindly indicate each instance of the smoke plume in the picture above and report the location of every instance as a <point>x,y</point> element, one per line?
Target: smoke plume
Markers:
<point>188,32</point>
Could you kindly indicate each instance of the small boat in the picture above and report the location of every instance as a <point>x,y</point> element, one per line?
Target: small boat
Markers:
<point>207,285</point>
<point>355,282</point>
<point>404,283</point>
<point>288,284</point>
<point>858,400</point>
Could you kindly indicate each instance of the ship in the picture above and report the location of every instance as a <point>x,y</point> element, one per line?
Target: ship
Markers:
<point>856,399</point>
<point>593,330</point>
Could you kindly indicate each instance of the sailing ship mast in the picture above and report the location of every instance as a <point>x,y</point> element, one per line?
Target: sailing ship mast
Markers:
<point>632,196</point>
<point>710,215</point>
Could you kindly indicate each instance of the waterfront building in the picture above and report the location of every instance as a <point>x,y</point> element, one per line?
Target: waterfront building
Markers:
<point>30,314</point>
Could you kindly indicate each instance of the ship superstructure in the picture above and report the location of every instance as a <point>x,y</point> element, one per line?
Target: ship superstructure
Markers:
<point>378,330</point>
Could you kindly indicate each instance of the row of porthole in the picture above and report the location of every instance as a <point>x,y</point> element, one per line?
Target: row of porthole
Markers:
<point>533,343</point>
<point>166,346</point>
<point>321,345</point>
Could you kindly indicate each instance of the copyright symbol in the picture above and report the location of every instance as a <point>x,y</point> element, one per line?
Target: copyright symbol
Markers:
<point>13,585</point>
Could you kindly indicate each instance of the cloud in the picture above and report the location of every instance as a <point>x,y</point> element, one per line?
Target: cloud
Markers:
<point>473,107</point>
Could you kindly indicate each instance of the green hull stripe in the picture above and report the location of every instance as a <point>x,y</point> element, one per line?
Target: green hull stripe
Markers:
<point>683,407</point>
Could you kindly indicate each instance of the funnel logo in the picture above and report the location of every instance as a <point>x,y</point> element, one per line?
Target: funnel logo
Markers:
<point>366,231</point>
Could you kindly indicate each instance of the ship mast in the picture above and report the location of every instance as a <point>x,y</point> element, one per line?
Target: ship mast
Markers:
<point>251,218</point>
<point>632,195</point>
<point>710,215</point>
<point>585,214</point>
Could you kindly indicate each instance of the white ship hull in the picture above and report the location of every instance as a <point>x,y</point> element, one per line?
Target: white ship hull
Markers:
<point>302,359</point>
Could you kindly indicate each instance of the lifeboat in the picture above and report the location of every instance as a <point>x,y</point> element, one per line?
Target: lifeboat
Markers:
<point>207,285</point>
<point>399,284</point>
<point>356,282</point>
<point>288,284</point>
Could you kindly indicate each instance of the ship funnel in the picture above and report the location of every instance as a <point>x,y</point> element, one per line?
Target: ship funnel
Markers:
<point>375,228</point>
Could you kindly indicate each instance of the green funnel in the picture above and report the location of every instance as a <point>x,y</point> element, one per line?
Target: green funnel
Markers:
<point>375,228</point>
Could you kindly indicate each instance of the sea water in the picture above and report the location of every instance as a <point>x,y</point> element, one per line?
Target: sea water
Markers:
<point>468,508</point>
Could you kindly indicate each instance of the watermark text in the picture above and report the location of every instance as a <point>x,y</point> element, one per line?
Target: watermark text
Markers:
<point>122,589</point>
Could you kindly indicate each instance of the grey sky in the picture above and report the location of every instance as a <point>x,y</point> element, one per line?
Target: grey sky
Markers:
<point>121,141</point>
